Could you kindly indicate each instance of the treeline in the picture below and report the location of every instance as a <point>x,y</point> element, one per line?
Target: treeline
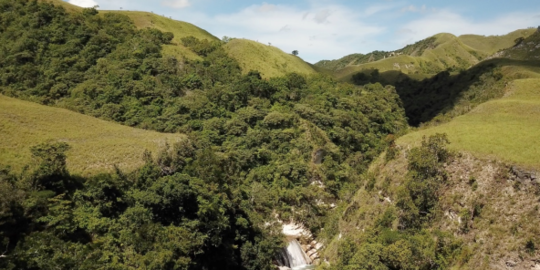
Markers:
<point>257,149</point>
<point>184,218</point>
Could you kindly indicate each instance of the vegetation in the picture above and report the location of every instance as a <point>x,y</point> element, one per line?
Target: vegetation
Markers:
<point>265,139</point>
<point>96,145</point>
<point>179,29</point>
<point>427,57</point>
<point>485,131</point>
<point>145,219</point>
<point>471,214</point>
<point>396,236</point>
<point>256,149</point>
<point>268,60</point>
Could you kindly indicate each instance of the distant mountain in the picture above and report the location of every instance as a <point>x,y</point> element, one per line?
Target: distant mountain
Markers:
<point>527,48</point>
<point>429,56</point>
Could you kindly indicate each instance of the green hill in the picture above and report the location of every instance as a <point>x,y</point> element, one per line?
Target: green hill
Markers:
<point>269,60</point>
<point>96,145</point>
<point>426,57</point>
<point>178,28</point>
<point>525,49</point>
<point>505,128</point>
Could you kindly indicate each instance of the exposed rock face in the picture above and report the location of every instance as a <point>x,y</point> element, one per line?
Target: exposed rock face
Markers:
<point>525,176</point>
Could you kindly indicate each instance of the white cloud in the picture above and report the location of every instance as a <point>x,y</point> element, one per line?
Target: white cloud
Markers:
<point>83,3</point>
<point>176,3</point>
<point>445,21</point>
<point>374,9</point>
<point>413,8</point>
<point>322,32</point>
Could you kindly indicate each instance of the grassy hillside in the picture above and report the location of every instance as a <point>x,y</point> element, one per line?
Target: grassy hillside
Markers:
<point>269,60</point>
<point>492,44</point>
<point>96,144</point>
<point>506,128</point>
<point>178,28</point>
<point>526,49</point>
<point>426,57</point>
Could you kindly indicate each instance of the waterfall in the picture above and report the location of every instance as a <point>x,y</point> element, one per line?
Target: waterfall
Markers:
<point>294,257</point>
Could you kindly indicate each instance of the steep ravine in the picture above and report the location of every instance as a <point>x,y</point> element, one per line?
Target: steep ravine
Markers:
<point>490,208</point>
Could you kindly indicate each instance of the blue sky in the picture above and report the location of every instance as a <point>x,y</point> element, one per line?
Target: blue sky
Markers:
<point>330,29</point>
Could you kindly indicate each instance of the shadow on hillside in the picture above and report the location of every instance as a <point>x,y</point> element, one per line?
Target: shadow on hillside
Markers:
<point>445,95</point>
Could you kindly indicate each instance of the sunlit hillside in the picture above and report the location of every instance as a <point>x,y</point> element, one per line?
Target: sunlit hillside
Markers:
<point>269,60</point>
<point>178,28</point>
<point>96,145</point>
<point>506,129</point>
<point>429,56</point>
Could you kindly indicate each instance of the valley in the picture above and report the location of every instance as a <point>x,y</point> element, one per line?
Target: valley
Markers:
<point>129,140</point>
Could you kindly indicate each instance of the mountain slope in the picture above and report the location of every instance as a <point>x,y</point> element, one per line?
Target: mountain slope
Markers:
<point>506,128</point>
<point>180,30</point>
<point>96,145</point>
<point>269,60</point>
<point>429,56</point>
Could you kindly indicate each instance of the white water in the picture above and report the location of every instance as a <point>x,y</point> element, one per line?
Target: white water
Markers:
<point>294,257</point>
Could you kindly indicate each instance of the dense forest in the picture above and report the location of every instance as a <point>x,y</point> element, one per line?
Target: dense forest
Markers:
<point>257,151</point>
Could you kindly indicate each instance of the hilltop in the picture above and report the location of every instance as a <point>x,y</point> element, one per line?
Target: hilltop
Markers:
<point>267,59</point>
<point>96,145</point>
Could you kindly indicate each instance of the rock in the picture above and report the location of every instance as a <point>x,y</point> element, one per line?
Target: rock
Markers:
<point>311,252</point>
<point>316,262</point>
<point>318,246</point>
<point>511,263</point>
<point>313,243</point>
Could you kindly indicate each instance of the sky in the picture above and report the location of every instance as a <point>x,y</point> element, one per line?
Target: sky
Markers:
<point>331,29</point>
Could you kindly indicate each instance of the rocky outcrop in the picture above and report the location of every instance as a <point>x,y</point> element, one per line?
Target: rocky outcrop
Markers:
<point>524,176</point>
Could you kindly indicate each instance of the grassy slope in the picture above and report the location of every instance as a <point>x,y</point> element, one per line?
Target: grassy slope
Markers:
<point>506,128</point>
<point>96,144</point>
<point>269,60</point>
<point>492,44</point>
<point>450,51</point>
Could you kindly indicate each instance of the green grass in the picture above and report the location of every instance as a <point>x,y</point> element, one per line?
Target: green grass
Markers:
<point>506,129</point>
<point>492,44</point>
<point>96,145</point>
<point>268,60</point>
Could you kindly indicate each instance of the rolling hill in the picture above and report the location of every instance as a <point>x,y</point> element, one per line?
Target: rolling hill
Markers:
<point>96,145</point>
<point>180,30</point>
<point>426,57</point>
<point>251,55</point>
